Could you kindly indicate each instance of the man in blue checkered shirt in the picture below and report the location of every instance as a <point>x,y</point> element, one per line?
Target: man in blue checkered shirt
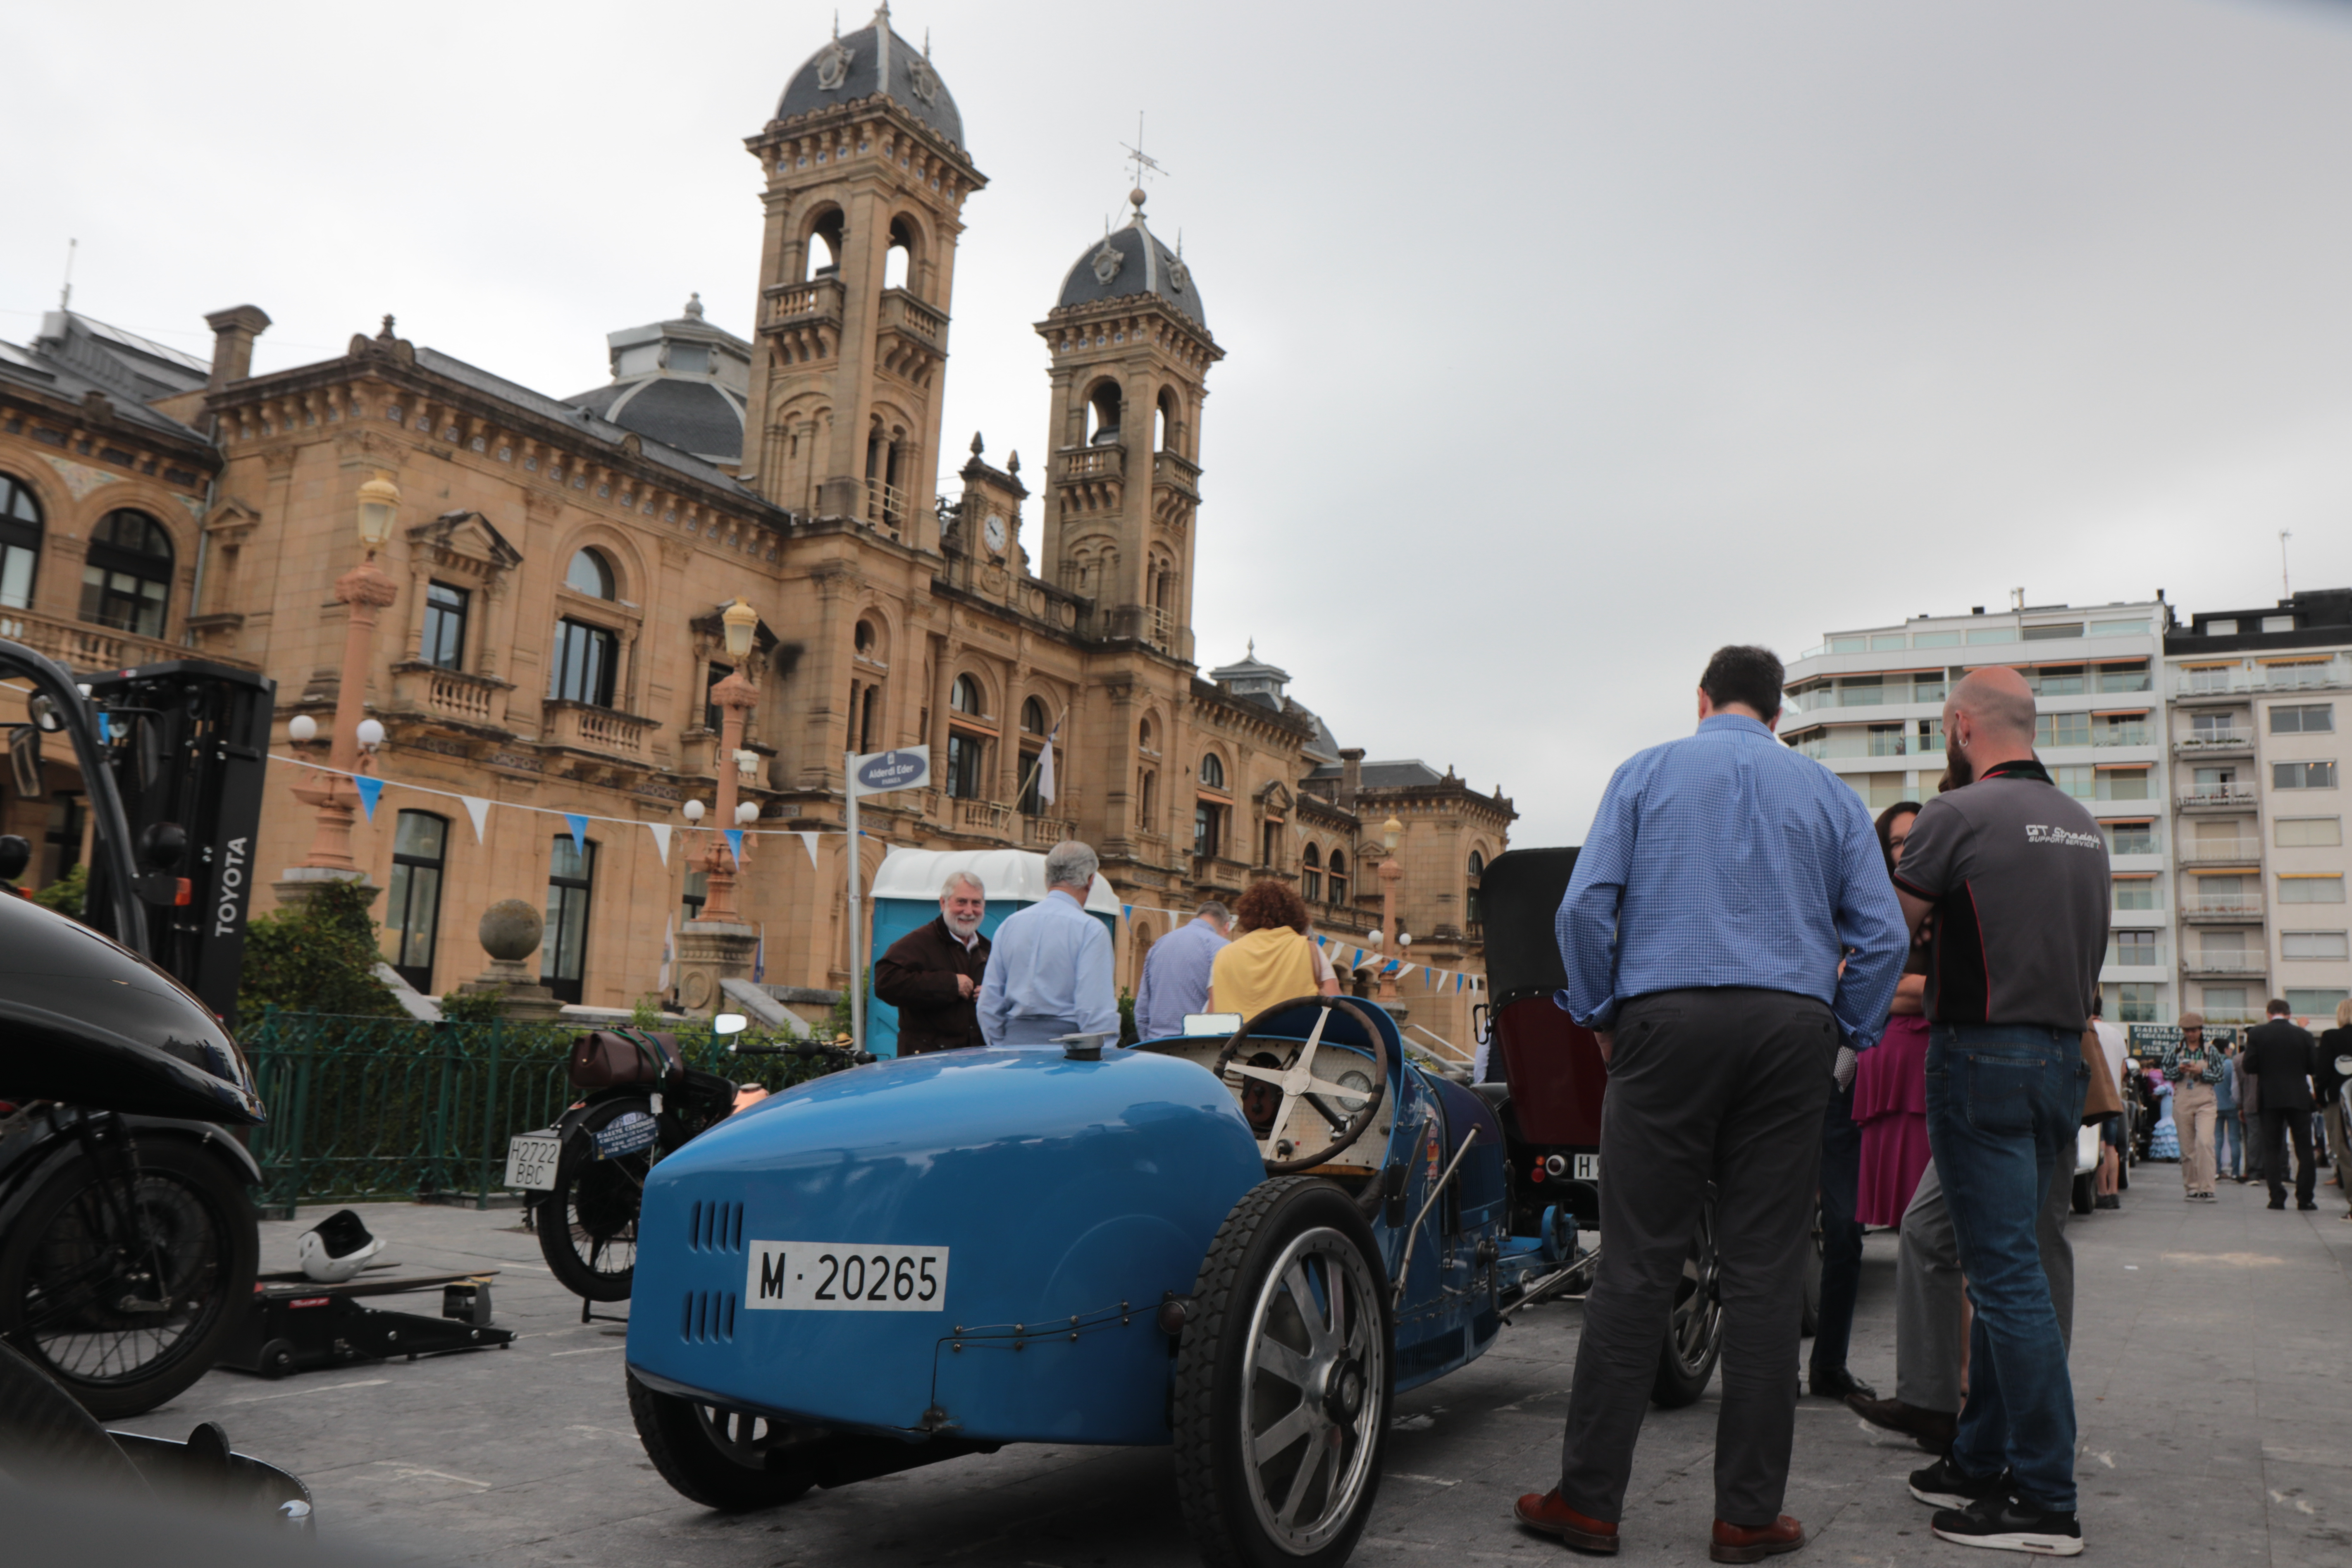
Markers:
<point>1731,935</point>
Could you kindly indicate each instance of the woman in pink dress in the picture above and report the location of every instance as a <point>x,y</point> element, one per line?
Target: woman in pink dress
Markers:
<point>1890,1085</point>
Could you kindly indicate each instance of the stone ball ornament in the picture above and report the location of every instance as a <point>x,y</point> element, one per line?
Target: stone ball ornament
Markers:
<point>511,929</point>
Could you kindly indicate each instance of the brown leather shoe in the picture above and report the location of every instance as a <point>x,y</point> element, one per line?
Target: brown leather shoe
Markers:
<point>1738,1543</point>
<point>1933,1429</point>
<point>1547,1512</point>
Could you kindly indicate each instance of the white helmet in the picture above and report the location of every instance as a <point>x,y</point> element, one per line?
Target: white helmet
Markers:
<point>337,1249</point>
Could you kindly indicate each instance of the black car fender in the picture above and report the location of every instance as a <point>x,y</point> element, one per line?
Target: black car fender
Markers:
<point>205,1134</point>
<point>30,1171</point>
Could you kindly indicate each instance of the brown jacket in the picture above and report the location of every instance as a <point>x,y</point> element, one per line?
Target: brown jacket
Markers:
<point>917,976</point>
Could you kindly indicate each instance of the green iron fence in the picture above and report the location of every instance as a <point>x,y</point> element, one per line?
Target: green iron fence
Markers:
<point>398,1108</point>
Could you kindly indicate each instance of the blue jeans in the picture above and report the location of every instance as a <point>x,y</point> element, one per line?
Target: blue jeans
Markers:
<point>2003,1105</point>
<point>2228,1144</point>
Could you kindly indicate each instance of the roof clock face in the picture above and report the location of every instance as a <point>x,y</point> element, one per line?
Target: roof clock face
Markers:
<point>994,531</point>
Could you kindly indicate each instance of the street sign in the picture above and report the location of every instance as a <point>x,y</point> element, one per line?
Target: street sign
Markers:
<point>878,772</point>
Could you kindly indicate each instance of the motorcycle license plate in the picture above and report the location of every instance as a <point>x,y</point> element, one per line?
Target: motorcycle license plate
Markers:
<point>530,1161</point>
<point>1586,1168</point>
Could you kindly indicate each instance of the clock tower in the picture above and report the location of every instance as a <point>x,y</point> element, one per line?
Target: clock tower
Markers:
<point>987,524</point>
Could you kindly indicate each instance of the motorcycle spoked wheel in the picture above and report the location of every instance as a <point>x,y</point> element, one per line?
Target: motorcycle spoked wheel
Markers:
<point>721,1458</point>
<point>126,1305</point>
<point>587,1223</point>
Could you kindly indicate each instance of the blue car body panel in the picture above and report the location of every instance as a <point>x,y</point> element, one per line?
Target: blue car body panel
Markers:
<point>1068,1199</point>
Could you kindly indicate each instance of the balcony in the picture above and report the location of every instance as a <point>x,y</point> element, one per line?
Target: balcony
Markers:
<point>1093,463</point>
<point>1215,871</point>
<point>2218,797</point>
<point>1045,832</point>
<point>2215,743</point>
<point>885,508</point>
<point>2226,964</point>
<point>803,304</point>
<point>2122,735</point>
<point>2236,685</point>
<point>449,695</point>
<point>2227,909</point>
<point>2221,851</point>
<point>977,815</point>
<point>914,338</point>
<point>81,646</point>
<point>583,727</point>
<point>1176,473</point>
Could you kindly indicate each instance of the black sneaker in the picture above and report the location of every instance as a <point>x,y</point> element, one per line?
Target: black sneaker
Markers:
<point>1945,1485</point>
<point>2008,1524</point>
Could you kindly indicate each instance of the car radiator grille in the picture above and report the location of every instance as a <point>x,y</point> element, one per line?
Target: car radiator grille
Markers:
<point>706,1317</point>
<point>714,1227</point>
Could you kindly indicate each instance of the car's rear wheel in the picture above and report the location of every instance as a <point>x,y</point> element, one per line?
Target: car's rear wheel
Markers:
<point>723,1459</point>
<point>1283,1381</point>
<point>1695,1327</point>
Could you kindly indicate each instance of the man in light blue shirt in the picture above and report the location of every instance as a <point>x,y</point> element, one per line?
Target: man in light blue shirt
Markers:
<point>1725,880</point>
<point>1176,973</point>
<point>1050,972</point>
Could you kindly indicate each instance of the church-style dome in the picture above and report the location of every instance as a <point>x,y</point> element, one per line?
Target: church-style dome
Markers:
<point>1132,260</point>
<point>682,382</point>
<point>871,61</point>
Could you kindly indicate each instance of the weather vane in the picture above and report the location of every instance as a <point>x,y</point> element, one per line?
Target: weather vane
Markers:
<point>1142,161</point>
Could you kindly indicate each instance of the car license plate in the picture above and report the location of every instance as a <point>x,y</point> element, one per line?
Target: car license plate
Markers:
<point>530,1160</point>
<point>1587,1168</point>
<point>846,1276</point>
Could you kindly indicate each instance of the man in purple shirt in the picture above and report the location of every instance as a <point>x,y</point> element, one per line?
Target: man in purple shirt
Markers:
<point>1176,973</point>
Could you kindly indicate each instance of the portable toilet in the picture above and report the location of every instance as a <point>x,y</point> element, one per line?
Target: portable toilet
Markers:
<point>907,895</point>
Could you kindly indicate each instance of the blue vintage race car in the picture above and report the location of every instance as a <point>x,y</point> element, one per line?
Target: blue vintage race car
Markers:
<point>1244,1244</point>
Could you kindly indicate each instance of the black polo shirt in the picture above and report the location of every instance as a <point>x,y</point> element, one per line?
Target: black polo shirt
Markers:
<point>2017,872</point>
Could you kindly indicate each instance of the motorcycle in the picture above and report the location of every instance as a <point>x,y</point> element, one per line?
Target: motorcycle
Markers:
<point>639,1103</point>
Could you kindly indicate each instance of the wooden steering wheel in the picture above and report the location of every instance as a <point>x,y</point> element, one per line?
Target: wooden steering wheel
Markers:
<point>1298,1082</point>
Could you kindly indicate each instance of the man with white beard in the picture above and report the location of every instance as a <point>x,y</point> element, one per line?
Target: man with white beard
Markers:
<point>932,974</point>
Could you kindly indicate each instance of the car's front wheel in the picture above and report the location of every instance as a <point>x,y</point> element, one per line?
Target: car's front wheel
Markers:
<point>723,1459</point>
<point>1283,1381</point>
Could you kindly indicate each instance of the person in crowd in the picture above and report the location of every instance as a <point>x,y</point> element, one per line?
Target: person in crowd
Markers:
<point>1724,879</point>
<point>2107,1185</point>
<point>2194,1068</point>
<point>2015,872</point>
<point>932,974</point>
<point>2228,1140</point>
<point>1271,958</point>
<point>1176,973</point>
<point>2335,1045</point>
<point>2278,1057</point>
<point>1890,1087</point>
<point>2164,1138</point>
<point>1051,973</point>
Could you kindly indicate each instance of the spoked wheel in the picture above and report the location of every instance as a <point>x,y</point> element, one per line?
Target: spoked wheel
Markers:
<point>1283,1381</point>
<point>729,1460</point>
<point>125,1292</point>
<point>1695,1328</point>
<point>587,1223</point>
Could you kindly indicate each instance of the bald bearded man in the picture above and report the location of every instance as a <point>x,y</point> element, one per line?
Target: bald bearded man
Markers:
<point>2014,872</point>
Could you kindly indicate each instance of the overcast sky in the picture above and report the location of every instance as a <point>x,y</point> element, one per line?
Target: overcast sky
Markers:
<point>1565,341</point>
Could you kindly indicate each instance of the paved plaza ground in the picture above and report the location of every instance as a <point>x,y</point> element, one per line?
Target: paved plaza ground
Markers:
<point>2210,1369</point>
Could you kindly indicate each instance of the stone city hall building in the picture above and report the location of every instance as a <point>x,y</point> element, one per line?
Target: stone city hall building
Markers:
<point>561,565</point>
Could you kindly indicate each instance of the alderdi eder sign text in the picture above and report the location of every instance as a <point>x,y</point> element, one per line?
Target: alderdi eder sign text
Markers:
<point>877,772</point>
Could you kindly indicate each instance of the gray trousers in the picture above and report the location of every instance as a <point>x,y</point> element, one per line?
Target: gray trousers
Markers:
<point>1929,1339</point>
<point>1711,1087</point>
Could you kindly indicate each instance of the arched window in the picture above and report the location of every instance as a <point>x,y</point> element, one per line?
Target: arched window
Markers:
<point>897,265</point>
<point>1033,717</point>
<point>1163,422</point>
<point>1470,901</point>
<point>824,247</point>
<point>867,639</point>
<point>1145,778</point>
<point>590,574</point>
<point>20,541</point>
<point>1102,416</point>
<point>1212,770</point>
<point>1145,737</point>
<point>413,914</point>
<point>1310,871</point>
<point>964,696</point>
<point>1477,865</point>
<point>1339,875</point>
<point>127,579</point>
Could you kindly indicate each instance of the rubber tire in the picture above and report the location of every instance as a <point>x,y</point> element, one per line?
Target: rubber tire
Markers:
<point>698,1469</point>
<point>1676,1384</point>
<point>554,1230</point>
<point>210,1178</point>
<point>2085,1192</point>
<point>1209,1485</point>
<point>45,1435</point>
<point>276,1360</point>
<point>1809,1322</point>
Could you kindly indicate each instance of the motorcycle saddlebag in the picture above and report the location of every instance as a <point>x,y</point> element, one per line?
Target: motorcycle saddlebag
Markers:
<point>611,1058</point>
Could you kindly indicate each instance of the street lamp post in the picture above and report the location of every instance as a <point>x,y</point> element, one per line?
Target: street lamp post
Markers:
<point>735,697</point>
<point>365,591</point>
<point>1391,832</point>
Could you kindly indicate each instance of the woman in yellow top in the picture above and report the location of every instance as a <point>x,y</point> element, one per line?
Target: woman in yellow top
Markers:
<point>1270,958</point>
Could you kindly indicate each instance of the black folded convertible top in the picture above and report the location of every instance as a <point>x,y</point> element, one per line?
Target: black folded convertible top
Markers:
<point>1518,894</point>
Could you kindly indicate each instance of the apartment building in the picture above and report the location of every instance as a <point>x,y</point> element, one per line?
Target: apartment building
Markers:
<point>1868,705</point>
<point>2258,760</point>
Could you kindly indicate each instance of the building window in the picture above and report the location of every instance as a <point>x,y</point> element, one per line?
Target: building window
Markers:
<point>2132,677</point>
<point>2313,945</point>
<point>966,754</point>
<point>713,716</point>
<point>2055,679</point>
<point>1931,735</point>
<point>1145,781</point>
<point>2303,775</point>
<point>2326,889</point>
<point>1144,739</point>
<point>2122,783</point>
<point>2278,622</point>
<point>867,716</point>
<point>1477,868</point>
<point>571,882</point>
<point>2131,838</point>
<point>964,696</point>
<point>126,577</point>
<point>2082,783</point>
<point>864,639</point>
<point>2224,1001</point>
<point>413,908</point>
<point>2137,948</point>
<point>20,542</point>
<point>2304,719</point>
<point>2062,730</point>
<point>1310,871</point>
<point>1212,770</point>
<point>2135,1003</point>
<point>444,626</point>
<point>2315,1003</point>
<point>2135,892</point>
<point>1207,826</point>
<point>586,658</point>
<point>2310,832</point>
<point>698,892</point>
<point>1270,845</point>
<point>590,574</point>
<point>1339,875</point>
